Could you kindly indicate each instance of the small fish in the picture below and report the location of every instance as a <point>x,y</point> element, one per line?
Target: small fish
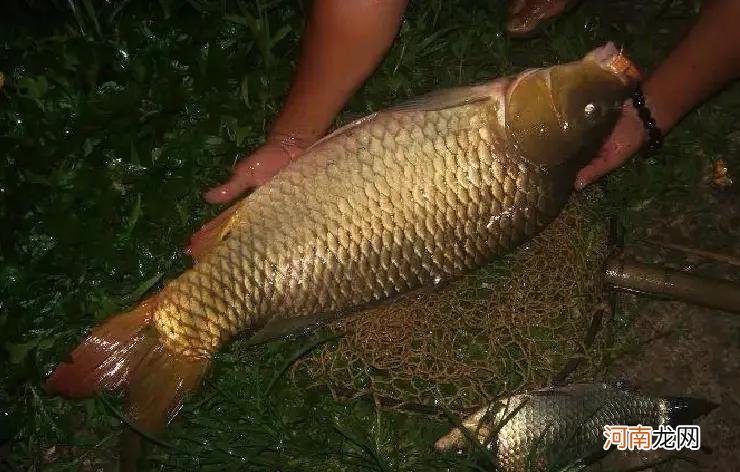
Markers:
<point>392,203</point>
<point>525,16</point>
<point>552,428</point>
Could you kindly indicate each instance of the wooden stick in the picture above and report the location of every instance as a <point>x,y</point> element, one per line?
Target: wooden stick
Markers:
<point>727,259</point>
<point>632,276</point>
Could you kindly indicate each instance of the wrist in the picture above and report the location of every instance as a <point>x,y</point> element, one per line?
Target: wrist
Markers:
<point>292,144</point>
<point>293,129</point>
<point>652,130</point>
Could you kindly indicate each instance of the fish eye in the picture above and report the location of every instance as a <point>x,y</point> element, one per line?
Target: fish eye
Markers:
<point>590,110</point>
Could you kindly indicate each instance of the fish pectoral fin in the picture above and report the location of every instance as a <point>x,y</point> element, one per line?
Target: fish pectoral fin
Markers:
<point>212,233</point>
<point>448,98</point>
<point>282,327</point>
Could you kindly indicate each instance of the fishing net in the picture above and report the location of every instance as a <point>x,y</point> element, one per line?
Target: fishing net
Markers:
<point>511,325</point>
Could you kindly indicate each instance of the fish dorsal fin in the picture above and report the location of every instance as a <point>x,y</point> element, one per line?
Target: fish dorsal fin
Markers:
<point>568,390</point>
<point>447,98</point>
<point>438,100</point>
<point>343,129</point>
<point>550,392</point>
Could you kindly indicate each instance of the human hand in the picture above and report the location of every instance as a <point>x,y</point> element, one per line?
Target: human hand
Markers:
<point>626,139</point>
<point>257,168</point>
<point>526,16</point>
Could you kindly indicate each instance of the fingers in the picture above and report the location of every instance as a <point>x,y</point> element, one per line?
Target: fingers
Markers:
<point>613,154</point>
<point>596,169</point>
<point>251,172</point>
<point>626,138</point>
<point>235,186</point>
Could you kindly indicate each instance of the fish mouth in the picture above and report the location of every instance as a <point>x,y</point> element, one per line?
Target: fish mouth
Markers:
<point>615,61</point>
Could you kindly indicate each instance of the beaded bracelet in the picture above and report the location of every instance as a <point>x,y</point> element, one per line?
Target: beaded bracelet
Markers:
<point>655,136</point>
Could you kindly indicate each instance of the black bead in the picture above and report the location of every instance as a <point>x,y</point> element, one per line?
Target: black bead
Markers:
<point>655,142</point>
<point>655,137</point>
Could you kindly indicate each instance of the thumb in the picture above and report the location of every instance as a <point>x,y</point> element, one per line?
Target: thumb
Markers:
<point>596,169</point>
<point>586,176</point>
<point>626,139</point>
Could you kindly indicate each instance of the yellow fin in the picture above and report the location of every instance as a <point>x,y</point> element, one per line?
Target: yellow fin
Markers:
<point>212,233</point>
<point>447,98</point>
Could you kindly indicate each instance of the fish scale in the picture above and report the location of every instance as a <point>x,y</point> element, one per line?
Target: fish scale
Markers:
<point>352,244</point>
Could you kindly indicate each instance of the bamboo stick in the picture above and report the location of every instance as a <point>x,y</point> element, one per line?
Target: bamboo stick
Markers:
<point>634,276</point>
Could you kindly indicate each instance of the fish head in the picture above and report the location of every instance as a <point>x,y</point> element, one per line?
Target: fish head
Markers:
<point>559,113</point>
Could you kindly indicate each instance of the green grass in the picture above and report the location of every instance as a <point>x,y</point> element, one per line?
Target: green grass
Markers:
<point>115,118</point>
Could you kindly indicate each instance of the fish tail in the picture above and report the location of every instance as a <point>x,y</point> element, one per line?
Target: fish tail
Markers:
<point>126,352</point>
<point>684,410</point>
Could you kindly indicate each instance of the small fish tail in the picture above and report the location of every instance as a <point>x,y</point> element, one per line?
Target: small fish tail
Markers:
<point>126,352</point>
<point>685,410</point>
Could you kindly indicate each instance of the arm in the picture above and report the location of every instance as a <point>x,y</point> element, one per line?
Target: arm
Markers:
<point>705,61</point>
<point>343,43</point>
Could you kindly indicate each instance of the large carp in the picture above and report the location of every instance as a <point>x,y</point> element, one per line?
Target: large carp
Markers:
<point>396,201</point>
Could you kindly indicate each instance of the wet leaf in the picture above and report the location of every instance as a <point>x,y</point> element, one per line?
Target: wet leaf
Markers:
<point>142,288</point>
<point>19,351</point>
<point>135,214</point>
